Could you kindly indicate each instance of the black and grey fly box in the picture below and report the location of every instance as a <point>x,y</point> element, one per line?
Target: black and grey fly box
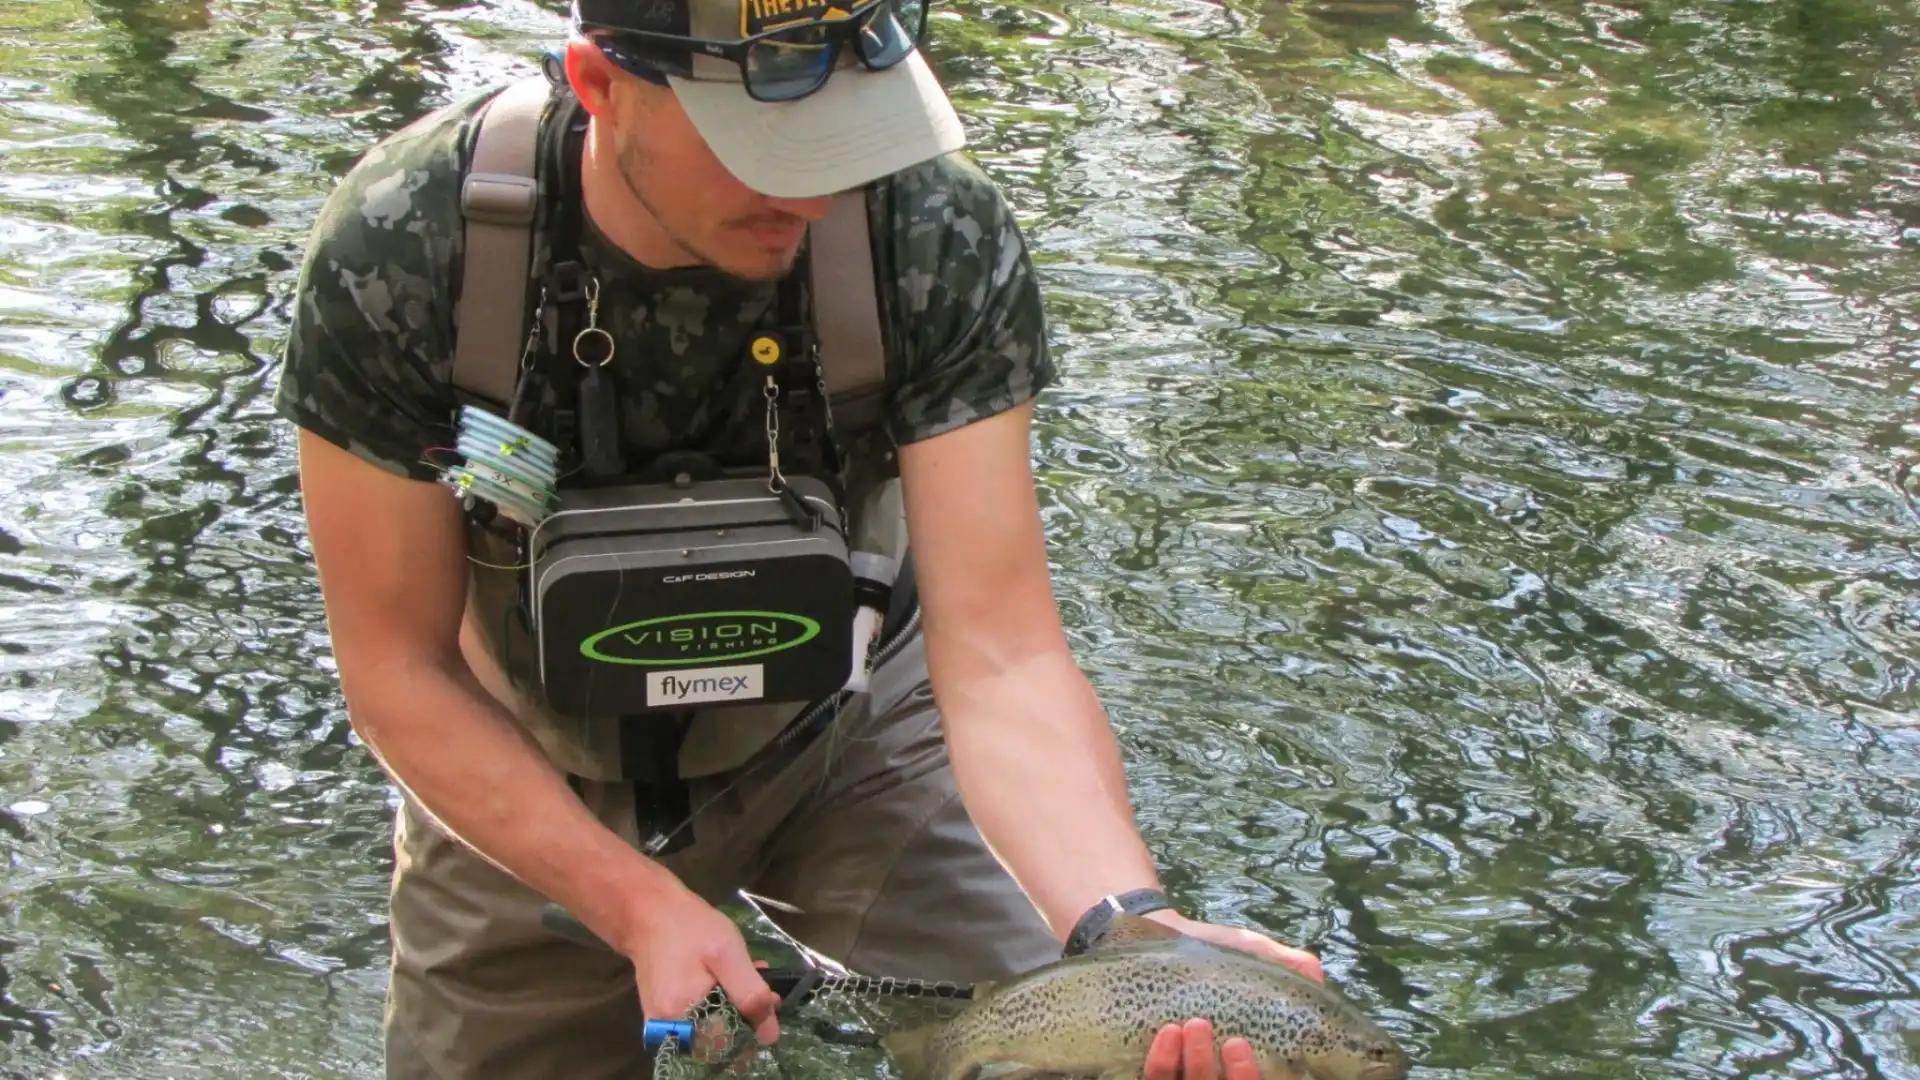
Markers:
<point>666,596</point>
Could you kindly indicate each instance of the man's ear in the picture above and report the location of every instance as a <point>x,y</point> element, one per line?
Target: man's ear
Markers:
<point>592,76</point>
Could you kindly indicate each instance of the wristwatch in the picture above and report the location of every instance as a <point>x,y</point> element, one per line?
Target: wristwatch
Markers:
<point>1093,925</point>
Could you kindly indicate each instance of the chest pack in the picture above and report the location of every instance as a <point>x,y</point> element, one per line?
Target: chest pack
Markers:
<point>660,589</point>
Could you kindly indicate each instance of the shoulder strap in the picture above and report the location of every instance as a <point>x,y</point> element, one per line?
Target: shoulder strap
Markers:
<point>498,198</point>
<point>846,308</point>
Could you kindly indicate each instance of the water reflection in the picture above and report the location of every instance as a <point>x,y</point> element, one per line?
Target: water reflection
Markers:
<point>1482,490</point>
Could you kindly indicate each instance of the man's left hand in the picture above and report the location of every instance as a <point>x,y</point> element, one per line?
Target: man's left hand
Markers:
<point>1186,1051</point>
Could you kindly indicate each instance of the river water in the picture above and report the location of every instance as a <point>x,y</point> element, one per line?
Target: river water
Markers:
<point>1480,487</point>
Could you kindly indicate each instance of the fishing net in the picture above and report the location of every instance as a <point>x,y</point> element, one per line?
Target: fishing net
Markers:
<point>830,1031</point>
<point>831,1019</point>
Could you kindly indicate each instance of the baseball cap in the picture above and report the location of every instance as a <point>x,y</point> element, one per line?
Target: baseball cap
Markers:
<point>858,126</point>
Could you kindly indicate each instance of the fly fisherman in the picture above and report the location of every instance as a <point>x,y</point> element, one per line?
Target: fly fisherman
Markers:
<point>680,266</point>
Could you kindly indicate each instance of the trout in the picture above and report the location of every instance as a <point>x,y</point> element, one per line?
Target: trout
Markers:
<point>1095,1015</point>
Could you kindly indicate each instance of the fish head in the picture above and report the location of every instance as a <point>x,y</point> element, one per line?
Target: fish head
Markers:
<point>1385,1061</point>
<point>1369,1055</point>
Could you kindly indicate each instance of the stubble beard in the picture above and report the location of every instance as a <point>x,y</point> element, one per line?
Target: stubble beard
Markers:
<point>634,168</point>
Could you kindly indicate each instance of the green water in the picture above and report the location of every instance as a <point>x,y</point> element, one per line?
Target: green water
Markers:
<point>1480,488</point>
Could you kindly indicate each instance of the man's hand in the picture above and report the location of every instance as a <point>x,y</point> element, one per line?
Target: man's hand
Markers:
<point>393,571</point>
<point>1251,941</point>
<point>682,948</point>
<point>1186,1051</point>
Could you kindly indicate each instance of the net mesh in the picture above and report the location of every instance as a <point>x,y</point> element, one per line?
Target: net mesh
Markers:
<point>835,1032</point>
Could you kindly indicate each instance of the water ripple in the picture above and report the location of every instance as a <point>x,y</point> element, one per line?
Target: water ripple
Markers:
<point>1481,487</point>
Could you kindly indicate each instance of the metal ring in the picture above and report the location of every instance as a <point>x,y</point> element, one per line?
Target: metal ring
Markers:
<point>582,336</point>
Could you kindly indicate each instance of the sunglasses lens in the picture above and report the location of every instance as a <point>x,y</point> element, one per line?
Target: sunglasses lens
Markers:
<point>794,63</point>
<point>889,34</point>
<point>791,64</point>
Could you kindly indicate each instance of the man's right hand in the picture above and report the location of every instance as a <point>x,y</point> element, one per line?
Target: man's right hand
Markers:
<point>393,568</point>
<point>681,948</point>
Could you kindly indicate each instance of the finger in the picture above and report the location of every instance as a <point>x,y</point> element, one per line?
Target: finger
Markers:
<point>1237,1060</point>
<point>1303,962</point>
<point>1261,945</point>
<point>1196,1045</point>
<point>1163,1055</point>
<point>749,994</point>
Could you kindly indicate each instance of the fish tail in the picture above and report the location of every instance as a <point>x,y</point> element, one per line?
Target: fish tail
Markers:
<point>912,1052</point>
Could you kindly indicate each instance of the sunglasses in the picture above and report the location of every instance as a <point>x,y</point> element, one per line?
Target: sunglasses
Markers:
<point>787,62</point>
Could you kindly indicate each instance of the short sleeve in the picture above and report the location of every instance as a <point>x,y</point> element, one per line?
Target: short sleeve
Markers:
<point>967,319</point>
<point>367,363</point>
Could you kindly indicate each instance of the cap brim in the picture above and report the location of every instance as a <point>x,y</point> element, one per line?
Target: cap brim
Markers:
<point>862,125</point>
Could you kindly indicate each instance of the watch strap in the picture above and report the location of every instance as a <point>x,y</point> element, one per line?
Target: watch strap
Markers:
<point>1093,925</point>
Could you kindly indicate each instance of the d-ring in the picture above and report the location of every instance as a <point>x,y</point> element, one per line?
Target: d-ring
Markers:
<point>582,336</point>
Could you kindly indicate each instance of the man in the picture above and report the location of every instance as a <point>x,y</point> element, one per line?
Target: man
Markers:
<point>696,173</point>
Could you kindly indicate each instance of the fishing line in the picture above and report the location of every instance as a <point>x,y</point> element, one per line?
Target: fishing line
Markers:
<point>620,590</point>
<point>517,472</point>
<point>504,464</point>
<point>837,737</point>
<point>712,1036</point>
<point>821,985</point>
<point>807,722</point>
<point>496,566</point>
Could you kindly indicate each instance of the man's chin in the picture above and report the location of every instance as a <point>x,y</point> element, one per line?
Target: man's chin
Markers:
<point>761,264</point>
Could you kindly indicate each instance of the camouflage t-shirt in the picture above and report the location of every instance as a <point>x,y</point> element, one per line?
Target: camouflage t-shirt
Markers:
<point>369,357</point>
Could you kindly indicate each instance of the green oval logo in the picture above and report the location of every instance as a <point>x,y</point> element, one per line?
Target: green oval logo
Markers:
<point>701,637</point>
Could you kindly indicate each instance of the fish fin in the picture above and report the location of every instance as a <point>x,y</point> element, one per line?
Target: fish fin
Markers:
<point>911,1051</point>
<point>1006,1070</point>
<point>1128,929</point>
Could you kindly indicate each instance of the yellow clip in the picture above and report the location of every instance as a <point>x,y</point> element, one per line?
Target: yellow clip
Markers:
<point>766,349</point>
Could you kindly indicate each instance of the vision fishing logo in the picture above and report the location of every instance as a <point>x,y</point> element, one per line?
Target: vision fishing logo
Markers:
<point>699,638</point>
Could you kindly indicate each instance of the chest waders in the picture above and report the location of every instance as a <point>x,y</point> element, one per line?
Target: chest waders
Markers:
<point>682,586</point>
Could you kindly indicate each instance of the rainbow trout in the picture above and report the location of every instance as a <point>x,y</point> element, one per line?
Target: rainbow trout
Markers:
<point>1095,1015</point>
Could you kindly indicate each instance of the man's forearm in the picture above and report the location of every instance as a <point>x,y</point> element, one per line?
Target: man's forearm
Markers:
<point>1041,776</point>
<point>487,782</point>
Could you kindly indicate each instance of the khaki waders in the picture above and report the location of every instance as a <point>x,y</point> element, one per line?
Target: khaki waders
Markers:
<point>861,828</point>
